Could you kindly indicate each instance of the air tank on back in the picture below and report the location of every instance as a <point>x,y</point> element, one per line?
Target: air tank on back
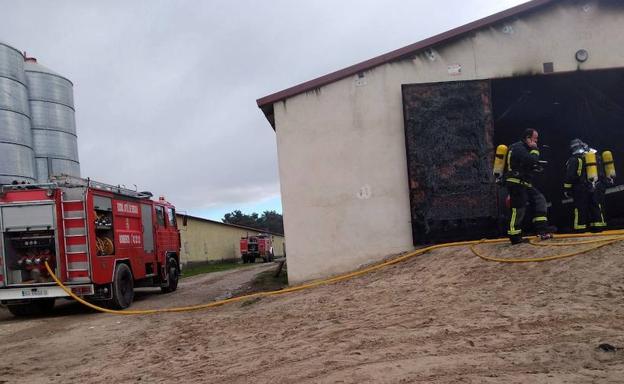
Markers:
<point>55,143</point>
<point>16,145</point>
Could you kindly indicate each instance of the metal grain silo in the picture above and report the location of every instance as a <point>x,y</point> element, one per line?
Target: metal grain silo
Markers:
<point>16,146</point>
<point>51,98</point>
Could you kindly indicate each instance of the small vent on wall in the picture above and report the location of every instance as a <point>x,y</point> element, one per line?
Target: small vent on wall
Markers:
<point>430,53</point>
<point>360,80</point>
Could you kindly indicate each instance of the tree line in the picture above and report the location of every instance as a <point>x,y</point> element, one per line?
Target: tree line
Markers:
<point>269,221</point>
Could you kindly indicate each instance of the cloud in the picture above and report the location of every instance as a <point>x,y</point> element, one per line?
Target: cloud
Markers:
<point>165,91</point>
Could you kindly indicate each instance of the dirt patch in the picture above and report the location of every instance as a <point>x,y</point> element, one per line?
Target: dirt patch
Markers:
<point>444,317</point>
<point>266,281</point>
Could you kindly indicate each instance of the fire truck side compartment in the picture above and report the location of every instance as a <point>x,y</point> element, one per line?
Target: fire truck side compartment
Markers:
<point>28,236</point>
<point>148,228</point>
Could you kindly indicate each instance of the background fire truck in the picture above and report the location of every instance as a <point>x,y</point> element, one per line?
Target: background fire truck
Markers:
<point>252,247</point>
<point>101,241</point>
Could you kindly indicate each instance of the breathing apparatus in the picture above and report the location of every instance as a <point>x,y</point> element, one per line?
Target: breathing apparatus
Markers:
<point>590,156</point>
<point>609,166</point>
<point>499,161</point>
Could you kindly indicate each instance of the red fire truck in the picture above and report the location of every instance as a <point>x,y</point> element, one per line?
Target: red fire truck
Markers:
<point>102,241</point>
<point>252,247</point>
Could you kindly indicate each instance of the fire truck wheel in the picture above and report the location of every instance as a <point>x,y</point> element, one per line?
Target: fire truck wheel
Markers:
<point>37,307</point>
<point>252,259</point>
<point>244,257</point>
<point>174,275</point>
<point>123,287</point>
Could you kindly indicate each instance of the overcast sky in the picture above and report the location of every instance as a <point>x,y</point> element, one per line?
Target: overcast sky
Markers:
<point>165,90</point>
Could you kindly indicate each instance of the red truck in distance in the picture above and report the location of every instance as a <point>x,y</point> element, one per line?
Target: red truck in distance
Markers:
<point>252,247</point>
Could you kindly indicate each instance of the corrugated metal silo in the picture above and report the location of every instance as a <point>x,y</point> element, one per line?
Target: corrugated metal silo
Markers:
<point>55,142</point>
<point>16,146</point>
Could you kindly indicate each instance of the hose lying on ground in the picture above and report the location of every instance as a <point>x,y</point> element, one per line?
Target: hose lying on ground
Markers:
<point>602,243</point>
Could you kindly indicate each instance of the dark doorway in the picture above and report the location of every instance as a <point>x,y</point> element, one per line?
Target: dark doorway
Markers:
<point>584,104</point>
<point>451,131</point>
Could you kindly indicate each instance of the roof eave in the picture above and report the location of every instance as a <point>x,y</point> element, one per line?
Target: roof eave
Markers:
<point>266,103</point>
<point>227,224</point>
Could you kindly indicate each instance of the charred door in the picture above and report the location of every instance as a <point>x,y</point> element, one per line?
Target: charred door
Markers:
<point>449,131</point>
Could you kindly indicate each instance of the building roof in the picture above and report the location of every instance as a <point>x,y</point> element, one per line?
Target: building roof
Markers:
<point>228,225</point>
<point>266,103</point>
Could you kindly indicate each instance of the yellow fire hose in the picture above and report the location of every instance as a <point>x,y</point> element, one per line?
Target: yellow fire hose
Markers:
<point>615,236</point>
<point>601,244</point>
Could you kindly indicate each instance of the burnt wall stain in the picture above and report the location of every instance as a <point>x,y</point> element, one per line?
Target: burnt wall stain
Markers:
<point>448,130</point>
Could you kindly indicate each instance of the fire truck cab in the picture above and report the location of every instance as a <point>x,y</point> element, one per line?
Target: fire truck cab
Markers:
<point>100,240</point>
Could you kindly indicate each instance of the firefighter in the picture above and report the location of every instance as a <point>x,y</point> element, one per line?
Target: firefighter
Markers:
<point>587,192</point>
<point>522,163</point>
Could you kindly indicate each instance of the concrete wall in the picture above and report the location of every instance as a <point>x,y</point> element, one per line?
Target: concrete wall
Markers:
<point>341,147</point>
<point>211,241</point>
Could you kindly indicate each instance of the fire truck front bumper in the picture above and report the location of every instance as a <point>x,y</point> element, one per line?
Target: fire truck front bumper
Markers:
<point>27,293</point>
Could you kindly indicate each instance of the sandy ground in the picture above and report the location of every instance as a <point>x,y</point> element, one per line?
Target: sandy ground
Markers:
<point>444,317</point>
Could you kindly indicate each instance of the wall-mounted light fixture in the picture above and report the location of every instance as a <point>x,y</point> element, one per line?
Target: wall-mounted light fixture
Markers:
<point>581,55</point>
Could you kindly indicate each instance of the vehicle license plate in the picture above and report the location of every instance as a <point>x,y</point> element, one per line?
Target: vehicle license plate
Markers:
<point>34,292</point>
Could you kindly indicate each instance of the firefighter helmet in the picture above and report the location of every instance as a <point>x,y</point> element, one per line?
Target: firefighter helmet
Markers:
<point>577,147</point>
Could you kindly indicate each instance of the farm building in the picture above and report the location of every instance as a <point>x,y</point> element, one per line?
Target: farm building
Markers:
<point>397,150</point>
<point>208,241</point>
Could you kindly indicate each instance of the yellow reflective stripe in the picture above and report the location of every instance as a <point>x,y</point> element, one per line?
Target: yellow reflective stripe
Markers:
<point>597,224</point>
<point>509,161</point>
<point>518,181</point>
<point>576,218</point>
<point>539,218</point>
<point>512,227</point>
<point>534,152</point>
<point>603,222</point>
<point>513,220</point>
<point>580,167</point>
<point>567,185</point>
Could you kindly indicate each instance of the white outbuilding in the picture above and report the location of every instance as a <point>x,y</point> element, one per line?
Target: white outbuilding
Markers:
<point>397,150</point>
